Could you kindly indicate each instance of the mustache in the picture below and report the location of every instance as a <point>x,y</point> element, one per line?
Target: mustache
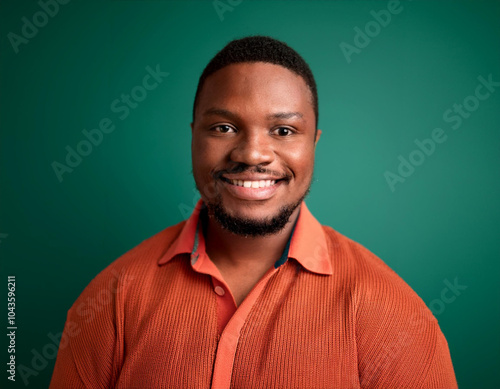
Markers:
<point>245,168</point>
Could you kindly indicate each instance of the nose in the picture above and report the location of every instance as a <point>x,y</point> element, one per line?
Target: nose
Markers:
<point>253,148</point>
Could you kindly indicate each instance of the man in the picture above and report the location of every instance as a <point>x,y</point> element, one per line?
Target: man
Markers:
<point>251,291</point>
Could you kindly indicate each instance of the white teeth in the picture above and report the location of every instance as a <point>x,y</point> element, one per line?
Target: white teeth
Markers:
<point>253,184</point>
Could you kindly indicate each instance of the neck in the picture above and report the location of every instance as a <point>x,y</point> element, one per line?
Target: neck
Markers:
<point>231,251</point>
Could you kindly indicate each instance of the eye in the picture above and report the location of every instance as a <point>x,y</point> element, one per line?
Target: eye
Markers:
<point>223,129</point>
<point>283,131</point>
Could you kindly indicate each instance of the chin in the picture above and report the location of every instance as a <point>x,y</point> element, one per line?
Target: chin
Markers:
<point>252,208</point>
<point>247,222</point>
<point>250,211</point>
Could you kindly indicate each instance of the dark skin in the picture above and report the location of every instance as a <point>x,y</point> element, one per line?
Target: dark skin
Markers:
<point>252,114</point>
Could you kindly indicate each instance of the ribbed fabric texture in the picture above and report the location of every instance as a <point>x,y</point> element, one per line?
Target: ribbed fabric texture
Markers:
<point>140,325</point>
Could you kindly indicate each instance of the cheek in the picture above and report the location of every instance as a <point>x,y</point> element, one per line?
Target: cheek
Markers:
<point>300,160</point>
<point>206,156</point>
<point>202,173</point>
<point>198,158</point>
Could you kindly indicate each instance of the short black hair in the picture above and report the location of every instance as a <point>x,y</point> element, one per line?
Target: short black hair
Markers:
<point>260,49</point>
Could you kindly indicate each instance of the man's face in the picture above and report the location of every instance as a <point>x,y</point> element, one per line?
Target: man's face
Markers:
<point>253,146</point>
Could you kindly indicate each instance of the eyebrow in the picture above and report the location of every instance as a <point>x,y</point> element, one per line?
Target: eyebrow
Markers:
<point>232,115</point>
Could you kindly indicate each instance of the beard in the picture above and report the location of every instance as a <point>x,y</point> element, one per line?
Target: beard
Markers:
<point>252,227</point>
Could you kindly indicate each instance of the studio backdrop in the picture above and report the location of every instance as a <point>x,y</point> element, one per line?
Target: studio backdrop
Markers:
<point>96,103</point>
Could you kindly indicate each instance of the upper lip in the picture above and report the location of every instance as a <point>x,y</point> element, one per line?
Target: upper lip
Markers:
<point>250,177</point>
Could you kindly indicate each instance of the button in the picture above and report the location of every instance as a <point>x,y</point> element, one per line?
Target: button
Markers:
<point>219,290</point>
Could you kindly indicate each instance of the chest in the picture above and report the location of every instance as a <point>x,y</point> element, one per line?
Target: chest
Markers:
<point>296,333</point>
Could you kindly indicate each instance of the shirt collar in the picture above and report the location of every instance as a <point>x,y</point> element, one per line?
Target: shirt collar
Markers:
<point>307,243</point>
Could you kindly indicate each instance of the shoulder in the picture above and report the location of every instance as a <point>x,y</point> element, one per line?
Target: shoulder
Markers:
<point>135,266</point>
<point>100,310</point>
<point>399,341</point>
<point>376,288</point>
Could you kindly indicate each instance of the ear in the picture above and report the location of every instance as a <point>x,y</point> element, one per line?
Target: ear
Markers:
<point>318,134</point>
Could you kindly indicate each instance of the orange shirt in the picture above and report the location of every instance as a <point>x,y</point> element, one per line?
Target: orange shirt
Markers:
<point>329,314</point>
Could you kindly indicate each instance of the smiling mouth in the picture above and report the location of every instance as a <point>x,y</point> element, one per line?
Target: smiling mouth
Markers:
<point>252,184</point>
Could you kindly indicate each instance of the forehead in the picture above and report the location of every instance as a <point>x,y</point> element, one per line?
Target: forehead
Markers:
<point>248,86</point>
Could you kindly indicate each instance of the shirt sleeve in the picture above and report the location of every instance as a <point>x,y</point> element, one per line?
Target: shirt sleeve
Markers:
<point>89,349</point>
<point>399,341</point>
<point>441,373</point>
<point>65,373</point>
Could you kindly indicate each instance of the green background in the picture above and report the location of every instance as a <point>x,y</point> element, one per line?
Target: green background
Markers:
<point>442,223</point>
